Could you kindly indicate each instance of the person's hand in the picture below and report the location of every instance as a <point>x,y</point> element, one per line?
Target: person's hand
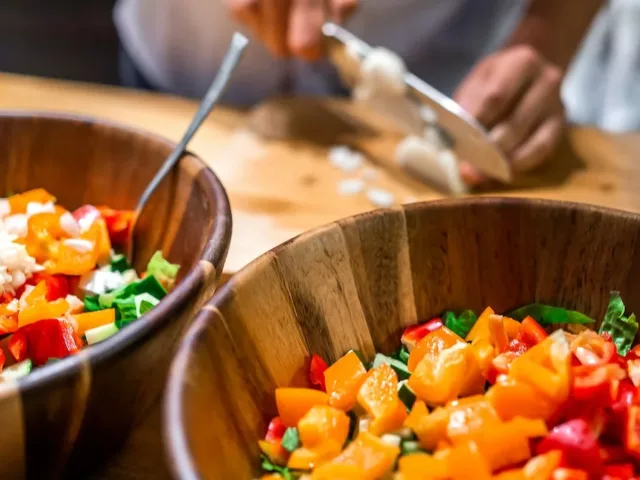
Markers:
<point>290,27</point>
<point>515,94</point>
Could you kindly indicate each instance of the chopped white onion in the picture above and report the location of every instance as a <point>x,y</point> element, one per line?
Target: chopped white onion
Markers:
<point>350,186</point>
<point>16,225</point>
<point>70,225</point>
<point>5,207</point>
<point>345,159</point>
<point>75,304</point>
<point>381,198</point>
<point>33,208</point>
<point>383,71</point>
<point>391,439</point>
<point>80,245</point>
<point>99,282</point>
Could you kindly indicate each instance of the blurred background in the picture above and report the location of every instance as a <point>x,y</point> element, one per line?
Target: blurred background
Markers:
<point>70,39</point>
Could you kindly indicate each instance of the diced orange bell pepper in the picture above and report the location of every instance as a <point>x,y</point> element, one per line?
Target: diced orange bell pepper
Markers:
<point>294,403</point>
<point>440,379</point>
<point>99,235</point>
<point>511,399</point>
<point>70,261</point>
<point>336,471</point>
<point>8,320</point>
<point>42,310</point>
<point>368,452</point>
<point>421,466</point>
<point>514,474</point>
<point>43,232</point>
<point>431,345</point>
<point>474,381</point>
<point>89,320</point>
<point>484,353</point>
<point>511,326</point>
<point>469,418</point>
<point>274,452</point>
<point>19,202</point>
<point>271,476</point>
<point>546,367</point>
<point>498,333</point>
<point>310,458</point>
<point>465,462</point>
<point>322,423</point>
<point>480,329</point>
<point>429,428</point>
<point>378,395</point>
<point>343,380</point>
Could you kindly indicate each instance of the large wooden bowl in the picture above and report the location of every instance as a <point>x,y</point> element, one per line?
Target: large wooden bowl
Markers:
<point>358,283</point>
<point>71,416</point>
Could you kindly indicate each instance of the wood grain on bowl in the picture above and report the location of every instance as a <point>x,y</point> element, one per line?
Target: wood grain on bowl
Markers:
<point>87,414</point>
<point>358,283</point>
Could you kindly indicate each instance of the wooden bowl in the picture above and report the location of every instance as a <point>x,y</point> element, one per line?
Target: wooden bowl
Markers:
<point>71,416</point>
<point>358,283</point>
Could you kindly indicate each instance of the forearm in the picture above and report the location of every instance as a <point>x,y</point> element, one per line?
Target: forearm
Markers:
<point>556,27</point>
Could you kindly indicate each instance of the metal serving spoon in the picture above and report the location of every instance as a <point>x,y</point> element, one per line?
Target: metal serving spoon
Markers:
<point>238,44</point>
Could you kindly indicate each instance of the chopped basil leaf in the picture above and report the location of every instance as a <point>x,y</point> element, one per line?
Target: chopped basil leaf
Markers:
<point>622,329</point>
<point>548,315</point>
<point>267,466</point>
<point>164,271</point>
<point>119,264</point>
<point>290,440</point>
<point>461,325</point>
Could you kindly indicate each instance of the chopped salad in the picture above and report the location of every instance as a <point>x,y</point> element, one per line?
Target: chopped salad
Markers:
<point>467,397</point>
<point>62,287</point>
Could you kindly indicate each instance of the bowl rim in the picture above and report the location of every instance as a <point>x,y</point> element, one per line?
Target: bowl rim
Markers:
<point>176,443</point>
<point>214,252</point>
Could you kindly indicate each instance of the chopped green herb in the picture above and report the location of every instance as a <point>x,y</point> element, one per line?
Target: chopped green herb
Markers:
<point>461,325</point>
<point>290,440</point>
<point>149,285</point>
<point>410,446</point>
<point>403,355</point>
<point>164,271</point>
<point>92,304</point>
<point>400,368</point>
<point>548,315</point>
<point>622,329</point>
<point>267,466</point>
<point>119,264</point>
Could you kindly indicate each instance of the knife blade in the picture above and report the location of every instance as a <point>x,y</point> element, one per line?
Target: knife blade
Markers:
<point>470,140</point>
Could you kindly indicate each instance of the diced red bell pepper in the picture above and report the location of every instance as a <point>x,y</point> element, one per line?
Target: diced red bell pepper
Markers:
<point>531,332</point>
<point>413,334</point>
<point>620,471</point>
<point>275,430</point>
<point>317,367</point>
<point>632,431</point>
<point>118,223</point>
<point>626,394</point>
<point>2,359</point>
<point>578,444</point>
<point>569,474</point>
<point>6,297</point>
<point>57,285</point>
<point>500,366</point>
<point>42,340</point>
<point>591,383</point>
<point>593,349</point>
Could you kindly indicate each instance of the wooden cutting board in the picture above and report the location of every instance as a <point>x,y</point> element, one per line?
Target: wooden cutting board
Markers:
<point>273,160</point>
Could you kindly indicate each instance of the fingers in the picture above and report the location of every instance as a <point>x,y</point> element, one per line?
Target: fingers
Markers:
<point>539,146</point>
<point>341,10</point>
<point>246,12</point>
<point>539,101</point>
<point>274,25</point>
<point>304,38</point>
<point>492,89</point>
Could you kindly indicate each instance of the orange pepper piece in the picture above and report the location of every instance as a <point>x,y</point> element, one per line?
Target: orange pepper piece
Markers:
<point>70,261</point>
<point>511,326</point>
<point>43,232</point>
<point>99,235</point>
<point>335,471</point>
<point>429,428</point>
<point>42,310</point>
<point>498,333</point>
<point>343,380</point>
<point>511,399</point>
<point>469,418</point>
<point>378,395</point>
<point>466,461</point>
<point>294,403</point>
<point>474,381</point>
<point>89,320</point>
<point>274,452</point>
<point>368,452</point>
<point>322,423</point>
<point>421,466</point>
<point>432,344</point>
<point>480,329</point>
<point>542,466</point>
<point>19,202</point>
<point>310,458</point>
<point>440,379</point>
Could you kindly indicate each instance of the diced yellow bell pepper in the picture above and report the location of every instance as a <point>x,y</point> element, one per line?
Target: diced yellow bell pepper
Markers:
<point>343,380</point>
<point>89,320</point>
<point>295,403</point>
<point>322,423</point>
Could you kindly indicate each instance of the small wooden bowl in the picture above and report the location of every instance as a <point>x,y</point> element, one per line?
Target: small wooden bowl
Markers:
<point>69,417</point>
<point>358,283</point>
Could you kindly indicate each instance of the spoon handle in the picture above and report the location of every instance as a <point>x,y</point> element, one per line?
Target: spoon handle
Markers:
<point>238,43</point>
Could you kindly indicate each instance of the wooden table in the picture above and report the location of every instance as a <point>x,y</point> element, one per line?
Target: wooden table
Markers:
<point>283,186</point>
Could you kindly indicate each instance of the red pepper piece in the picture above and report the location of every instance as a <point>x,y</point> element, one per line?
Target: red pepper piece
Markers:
<point>43,340</point>
<point>500,365</point>
<point>620,471</point>
<point>57,285</point>
<point>6,297</point>
<point>118,223</point>
<point>86,215</point>
<point>275,431</point>
<point>18,345</point>
<point>531,332</point>
<point>2,359</point>
<point>632,431</point>
<point>569,474</point>
<point>415,333</point>
<point>317,367</point>
<point>578,444</point>
<point>591,383</point>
